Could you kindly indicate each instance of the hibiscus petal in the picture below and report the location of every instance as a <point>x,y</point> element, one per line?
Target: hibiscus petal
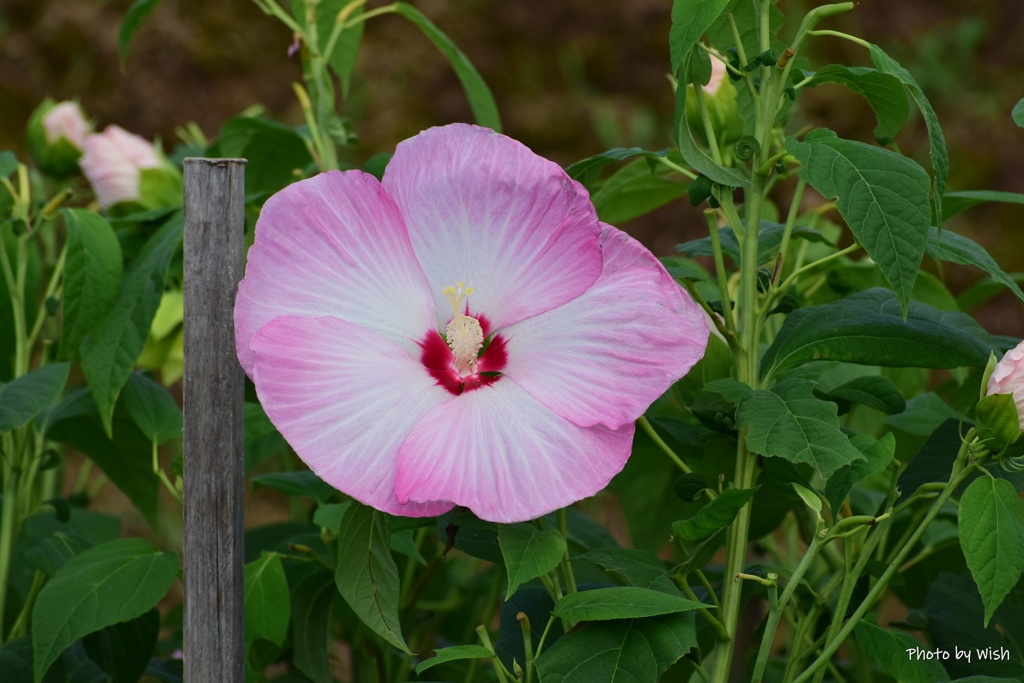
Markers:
<point>605,356</point>
<point>502,454</point>
<point>483,209</point>
<point>333,245</point>
<point>345,398</point>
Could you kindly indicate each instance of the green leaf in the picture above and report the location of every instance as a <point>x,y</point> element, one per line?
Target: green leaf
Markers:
<point>882,196</point>
<point>262,440</point>
<point>621,602</point>
<point>126,460</point>
<point>1018,113</point>
<point>343,60</point>
<point>696,157</point>
<point>884,92</point>
<point>809,497</point>
<point>683,269</point>
<point>715,515</point>
<point>529,552</point>
<point>641,568</point>
<point>936,140</point>
<point>110,350</point>
<point>329,515</point>
<point>52,553</point>
<point>586,171</point>
<point>8,163</point>
<point>273,149</point>
<point>889,650</point>
<point>154,410</point>
<point>311,615</point>
<point>31,394</point>
<point>874,391</point>
<point>955,248</point>
<point>634,190</point>
<point>267,605</point>
<point>454,654</point>
<point>877,456</point>
<point>133,19</point>
<point>111,583</point>
<point>366,575</point>
<point>481,101</point>
<point>623,651</point>
<point>788,422</point>
<point>924,413</point>
<point>123,650</point>
<point>867,328</point>
<point>92,276</point>
<point>298,483</point>
<point>690,19</point>
<point>955,202</point>
<point>992,538</point>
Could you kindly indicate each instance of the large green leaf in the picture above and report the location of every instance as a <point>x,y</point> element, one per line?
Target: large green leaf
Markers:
<point>529,552</point>
<point>366,575</point>
<point>110,583</point>
<point>955,202</point>
<point>690,19</point>
<point>586,171</point>
<point>874,391</point>
<point>634,190</point>
<point>273,149</point>
<point>884,92</point>
<point>622,651</point>
<point>867,328</point>
<point>641,568</point>
<point>621,602</point>
<point>788,422</point>
<point>92,275</point>
<point>267,604</point>
<point>154,410</point>
<point>110,350</point>
<point>882,196</point>
<point>126,460</point>
<point>936,140</point>
<point>31,394</point>
<point>311,620</point>
<point>715,515</point>
<point>481,101</point>
<point>877,456</point>
<point>123,650</point>
<point>992,538</point>
<point>950,246</point>
<point>297,483</point>
<point>892,651</point>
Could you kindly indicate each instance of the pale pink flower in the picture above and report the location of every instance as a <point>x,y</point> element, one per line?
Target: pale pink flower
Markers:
<point>1008,378</point>
<point>66,120</point>
<point>560,330</point>
<point>718,75</point>
<point>112,162</point>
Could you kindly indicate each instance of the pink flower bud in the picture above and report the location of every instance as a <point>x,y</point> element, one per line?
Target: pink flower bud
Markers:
<point>718,74</point>
<point>66,120</point>
<point>1008,378</point>
<point>112,161</point>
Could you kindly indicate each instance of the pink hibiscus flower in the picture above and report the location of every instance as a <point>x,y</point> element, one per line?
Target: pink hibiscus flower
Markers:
<point>559,331</point>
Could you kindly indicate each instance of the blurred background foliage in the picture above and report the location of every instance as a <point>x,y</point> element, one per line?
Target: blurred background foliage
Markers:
<point>571,78</point>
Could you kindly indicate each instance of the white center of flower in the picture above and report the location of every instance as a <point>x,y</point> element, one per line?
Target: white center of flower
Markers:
<point>464,334</point>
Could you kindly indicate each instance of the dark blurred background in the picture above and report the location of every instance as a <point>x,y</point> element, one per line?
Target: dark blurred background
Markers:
<point>571,78</point>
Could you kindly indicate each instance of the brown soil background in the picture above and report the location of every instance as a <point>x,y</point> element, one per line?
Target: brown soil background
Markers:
<point>571,79</point>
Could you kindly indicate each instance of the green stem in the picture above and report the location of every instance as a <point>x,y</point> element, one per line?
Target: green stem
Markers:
<point>845,36</point>
<point>563,529</point>
<point>20,626</point>
<point>684,586</point>
<point>815,264</point>
<point>17,297</point>
<point>499,668</point>
<point>51,290</point>
<point>660,443</point>
<point>794,209</point>
<point>677,168</point>
<point>709,129</point>
<point>833,644</point>
<point>7,523</point>
<point>524,623</point>
<point>710,217</point>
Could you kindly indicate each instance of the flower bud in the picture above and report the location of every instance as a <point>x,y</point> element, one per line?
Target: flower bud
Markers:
<point>720,99</point>
<point>56,136</point>
<point>1008,378</point>
<point>122,167</point>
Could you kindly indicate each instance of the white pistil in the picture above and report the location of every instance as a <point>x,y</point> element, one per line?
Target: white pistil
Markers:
<point>464,334</point>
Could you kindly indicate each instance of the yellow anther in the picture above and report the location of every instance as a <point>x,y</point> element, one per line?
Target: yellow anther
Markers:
<point>464,333</point>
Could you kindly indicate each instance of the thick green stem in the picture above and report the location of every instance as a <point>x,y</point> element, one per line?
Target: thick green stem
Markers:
<point>720,273</point>
<point>7,525</point>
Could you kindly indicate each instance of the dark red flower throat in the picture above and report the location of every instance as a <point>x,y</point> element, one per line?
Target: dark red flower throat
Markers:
<point>439,360</point>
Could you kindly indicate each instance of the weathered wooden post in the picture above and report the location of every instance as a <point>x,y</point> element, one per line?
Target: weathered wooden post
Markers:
<point>214,626</point>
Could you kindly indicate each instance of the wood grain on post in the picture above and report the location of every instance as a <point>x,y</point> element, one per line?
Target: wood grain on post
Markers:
<point>214,623</point>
